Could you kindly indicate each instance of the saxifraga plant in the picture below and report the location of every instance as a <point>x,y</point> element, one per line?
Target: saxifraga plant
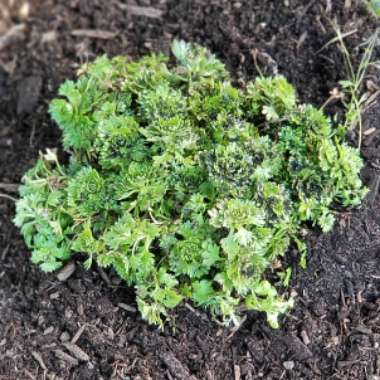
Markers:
<point>187,186</point>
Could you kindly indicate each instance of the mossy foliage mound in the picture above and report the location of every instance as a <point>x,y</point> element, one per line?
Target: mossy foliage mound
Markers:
<point>187,186</point>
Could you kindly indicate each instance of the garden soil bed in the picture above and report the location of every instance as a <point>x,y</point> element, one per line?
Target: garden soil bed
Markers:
<point>334,330</point>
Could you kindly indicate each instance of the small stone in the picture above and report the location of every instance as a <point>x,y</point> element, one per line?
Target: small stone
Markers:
<point>289,365</point>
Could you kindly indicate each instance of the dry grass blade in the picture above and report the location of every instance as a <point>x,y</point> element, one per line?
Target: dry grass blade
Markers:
<point>6,196</point>
<point>336,39</point>
<point>353,84</point>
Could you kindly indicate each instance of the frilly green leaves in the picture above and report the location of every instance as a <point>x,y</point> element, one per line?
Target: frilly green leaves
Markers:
<point>187,186</point>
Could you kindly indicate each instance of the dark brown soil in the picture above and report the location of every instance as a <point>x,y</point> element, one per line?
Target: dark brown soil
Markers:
<point>334,330</point>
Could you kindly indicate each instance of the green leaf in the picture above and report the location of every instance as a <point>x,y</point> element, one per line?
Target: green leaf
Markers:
<point>202,292</point>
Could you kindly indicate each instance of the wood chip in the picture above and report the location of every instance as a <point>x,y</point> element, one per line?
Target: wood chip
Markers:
<point>176,368</point>
<point>127,307</point>
<point>48,331</point>
<point>49,36</point>
<point>80,309</point>
<point>363,330</point>
<point>37,356</point>
<point>371,101</point>
<point>5,252</point>
<point>76,351</point>
<point>78,334</point>
<point>301,40</point>
<point>66,272</point>
<point>66,357</point>
<point>369,131</point>
<point>149,12</point>
<point>10,187</point>
<point>370,138</point>
<point>30,375</point>
<point>24,11</point>
<point>14,34</point>
<point>346,363</point>
<point>288,365</point>
<point>94,33</point>
<point>305,337</point>
<point>28,91</point>
<point>237,372</point>
<point>104,276</point>
<point>297,348</point>
<point>375,189</point>
<point>54,296</point>
<point>328,6</point>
